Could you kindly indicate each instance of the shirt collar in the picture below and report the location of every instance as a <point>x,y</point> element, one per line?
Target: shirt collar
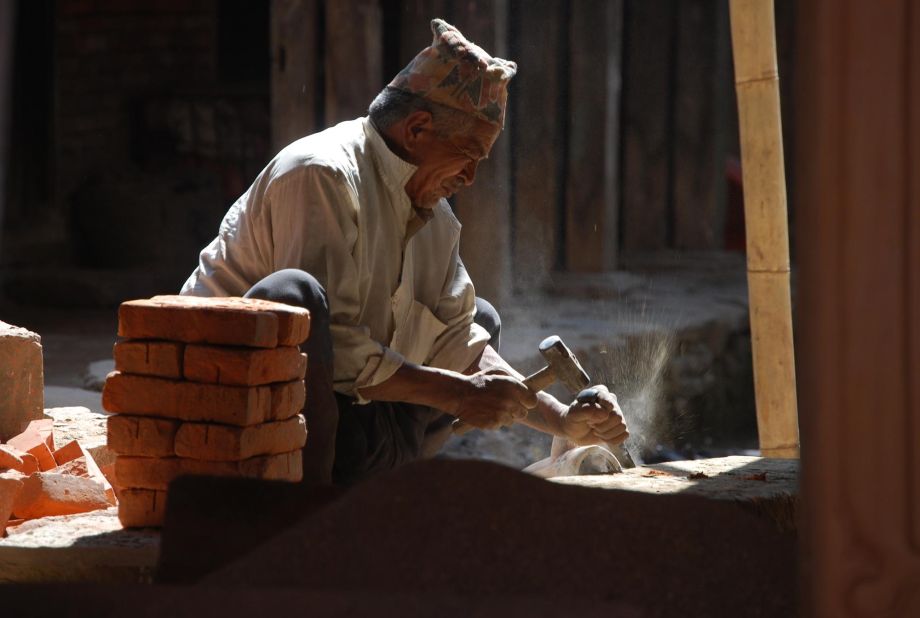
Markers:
<point>395,171</point>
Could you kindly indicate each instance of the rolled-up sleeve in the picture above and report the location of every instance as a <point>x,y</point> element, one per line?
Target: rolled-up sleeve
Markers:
<point>313,219</point>
<point>463,340</point>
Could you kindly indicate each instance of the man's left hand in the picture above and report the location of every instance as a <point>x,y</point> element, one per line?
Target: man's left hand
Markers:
<point>598,422</point>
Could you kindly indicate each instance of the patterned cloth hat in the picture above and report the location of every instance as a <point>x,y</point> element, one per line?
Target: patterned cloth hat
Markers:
<point>459,74</point>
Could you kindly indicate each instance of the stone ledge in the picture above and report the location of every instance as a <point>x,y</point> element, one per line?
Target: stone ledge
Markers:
<point>89,547</point>
<point>768,487</point>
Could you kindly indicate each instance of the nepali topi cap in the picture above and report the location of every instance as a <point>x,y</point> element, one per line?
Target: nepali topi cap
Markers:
<point>458,74</point>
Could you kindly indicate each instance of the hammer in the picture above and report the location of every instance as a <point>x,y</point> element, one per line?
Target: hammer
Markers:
<point>561,365</point>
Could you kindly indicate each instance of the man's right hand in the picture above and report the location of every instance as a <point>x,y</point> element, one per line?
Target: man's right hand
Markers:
<point>492,399</point>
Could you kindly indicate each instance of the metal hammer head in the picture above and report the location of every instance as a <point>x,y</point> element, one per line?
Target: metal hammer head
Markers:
<point>564,364</point>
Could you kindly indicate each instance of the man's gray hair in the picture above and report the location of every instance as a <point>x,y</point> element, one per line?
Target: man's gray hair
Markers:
<point>392,105</point>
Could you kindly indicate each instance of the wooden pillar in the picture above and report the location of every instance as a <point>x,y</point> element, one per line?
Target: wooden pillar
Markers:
<point>858,240</point>
<point>354,58</point>
<point>538,141</point>
<point>592,185</point>
<point>766,225</point>
<point>649,37</point>
<point>295,58</point>
<point>702,96</point>
<point>484,208</point>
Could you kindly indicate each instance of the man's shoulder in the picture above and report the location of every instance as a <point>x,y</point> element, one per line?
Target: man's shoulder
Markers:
<point>331,153</point>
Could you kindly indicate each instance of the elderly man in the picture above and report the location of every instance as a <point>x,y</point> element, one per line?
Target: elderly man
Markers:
<point>353,224</point>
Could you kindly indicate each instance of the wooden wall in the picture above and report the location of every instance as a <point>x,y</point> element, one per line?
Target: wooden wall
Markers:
<point>858,332</point>
<point>619,125</point>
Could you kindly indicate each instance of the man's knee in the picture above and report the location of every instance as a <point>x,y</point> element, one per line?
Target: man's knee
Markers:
<point>293,287</point>
<point>487,317</point>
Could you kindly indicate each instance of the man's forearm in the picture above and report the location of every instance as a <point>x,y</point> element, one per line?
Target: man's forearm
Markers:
<point>427,386</point>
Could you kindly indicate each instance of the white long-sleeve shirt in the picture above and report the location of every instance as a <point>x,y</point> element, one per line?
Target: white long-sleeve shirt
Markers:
<point>334,204</point>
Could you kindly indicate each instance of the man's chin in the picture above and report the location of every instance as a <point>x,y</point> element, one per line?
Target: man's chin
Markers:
<point>428,202</point>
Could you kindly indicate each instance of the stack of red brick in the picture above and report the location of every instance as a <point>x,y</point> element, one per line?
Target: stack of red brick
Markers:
<point>205,386</point>
<point>38,480</point>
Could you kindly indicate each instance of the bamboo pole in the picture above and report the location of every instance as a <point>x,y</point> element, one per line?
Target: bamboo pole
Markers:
<point>757,87</point>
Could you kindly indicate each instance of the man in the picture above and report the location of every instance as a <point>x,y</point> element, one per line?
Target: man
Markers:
<point>353,224</point>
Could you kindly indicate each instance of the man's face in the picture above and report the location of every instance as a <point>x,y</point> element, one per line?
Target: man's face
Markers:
<point>446,164</point>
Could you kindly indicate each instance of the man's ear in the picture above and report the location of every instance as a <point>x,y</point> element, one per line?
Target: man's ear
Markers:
<point>417,129</point>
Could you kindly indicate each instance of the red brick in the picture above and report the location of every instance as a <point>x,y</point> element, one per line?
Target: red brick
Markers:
<point>74,451</point>
<point>142,436</point>
<point>141,508</point>
<point>48,493</point>
<point>10,487</point>
<point>221,321</point>
<point>30,464</point>
<point>243,366</point>
<point>41,430</point>
<point>191,401</point>
<point>150,358</point>
<point>109,472</point>
<point>37,440</point>
<point>228,443</point>
<point>288,399</point>
<point>157,473</point>
<point>10,458</point>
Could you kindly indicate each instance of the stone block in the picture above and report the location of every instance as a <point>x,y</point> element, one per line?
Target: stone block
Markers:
<point>191,401</point>
<point>228,443</point>
<point>157,473</point>
<point>243,366</point>
<point>21,379</point>
<point>142,508</point>
<point>49,493</point>
<point>86,466</point>
<point>142,436</point>
<point>149,358</point>
<point>9,490</point>
<point>221,321</point>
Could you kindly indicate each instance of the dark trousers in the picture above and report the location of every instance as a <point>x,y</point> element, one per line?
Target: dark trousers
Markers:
<point>346,441</point>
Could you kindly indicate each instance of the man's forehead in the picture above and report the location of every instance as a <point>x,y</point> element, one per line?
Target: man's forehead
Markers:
<point>481,138</point>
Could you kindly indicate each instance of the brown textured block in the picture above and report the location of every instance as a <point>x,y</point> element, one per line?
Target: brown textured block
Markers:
<point>243,366</point>
<point>221,321</point>
<point>158,472</point>
<point>21,380</point>
<point>148,396</point>
<point>149,358</point>
<point>192,401</point>
<point>288,399</point>
<point>141,508</point>
<point>228,443</point>
<point>142,436</point>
